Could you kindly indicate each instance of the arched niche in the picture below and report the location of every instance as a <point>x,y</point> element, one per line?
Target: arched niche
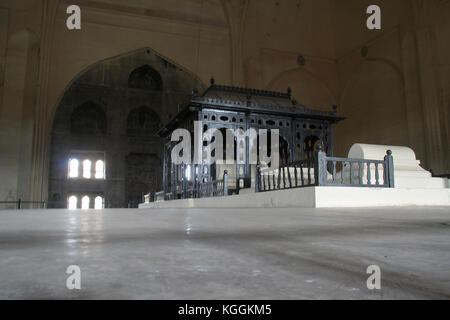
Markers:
<point>142,122</point>
<point>145,78</point>
<point>89,118</point>
<point>142,176</point>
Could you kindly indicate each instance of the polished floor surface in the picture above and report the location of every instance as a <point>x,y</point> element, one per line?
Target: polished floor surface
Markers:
<point>226,253</point>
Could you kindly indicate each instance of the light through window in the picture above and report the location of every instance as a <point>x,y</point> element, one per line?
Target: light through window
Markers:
<point>87,169</point>
<point>188,172</point>
<point>72,203</point>
<point>98,203</point>
<point>85,202</point>
<point>73,168</point>
<point>99,169</point>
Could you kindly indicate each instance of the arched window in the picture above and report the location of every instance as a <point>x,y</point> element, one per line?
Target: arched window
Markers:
<point>87,169</point>
<point>85,201</point>
<point>73,168</point>
<point>72,203</point>
<point>145,78</point>
<point>99,169</point>
<point>98,203</point>
<point>89,118</point>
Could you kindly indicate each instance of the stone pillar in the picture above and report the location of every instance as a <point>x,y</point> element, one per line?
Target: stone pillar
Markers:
<point>426,14</point>
<point>17,113</point>
<point>413,101</point>
<point>235,11</point>
<point>43,120</point>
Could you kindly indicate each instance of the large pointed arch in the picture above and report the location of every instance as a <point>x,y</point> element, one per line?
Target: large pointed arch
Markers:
<point>190,73</point>
<point>102,116</point>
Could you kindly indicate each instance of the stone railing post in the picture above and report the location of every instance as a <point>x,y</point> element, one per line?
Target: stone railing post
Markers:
<point>257,178</point>
<point>320,167</point>
<point>389,174</point>
<point>225,183</point>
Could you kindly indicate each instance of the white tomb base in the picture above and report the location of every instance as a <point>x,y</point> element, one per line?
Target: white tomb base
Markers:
<point>414,186</point>
<point>317,197</point>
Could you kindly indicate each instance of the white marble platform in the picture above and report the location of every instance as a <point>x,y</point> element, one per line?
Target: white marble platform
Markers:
<point>317,197</point>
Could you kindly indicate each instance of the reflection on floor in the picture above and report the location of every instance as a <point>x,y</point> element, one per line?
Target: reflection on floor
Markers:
<point>226,253</point>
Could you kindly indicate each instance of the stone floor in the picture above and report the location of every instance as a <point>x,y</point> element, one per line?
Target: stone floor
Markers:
<point>226,253</point>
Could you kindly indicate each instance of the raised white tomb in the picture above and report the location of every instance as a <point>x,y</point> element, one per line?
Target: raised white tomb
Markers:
<point>407,170</point>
